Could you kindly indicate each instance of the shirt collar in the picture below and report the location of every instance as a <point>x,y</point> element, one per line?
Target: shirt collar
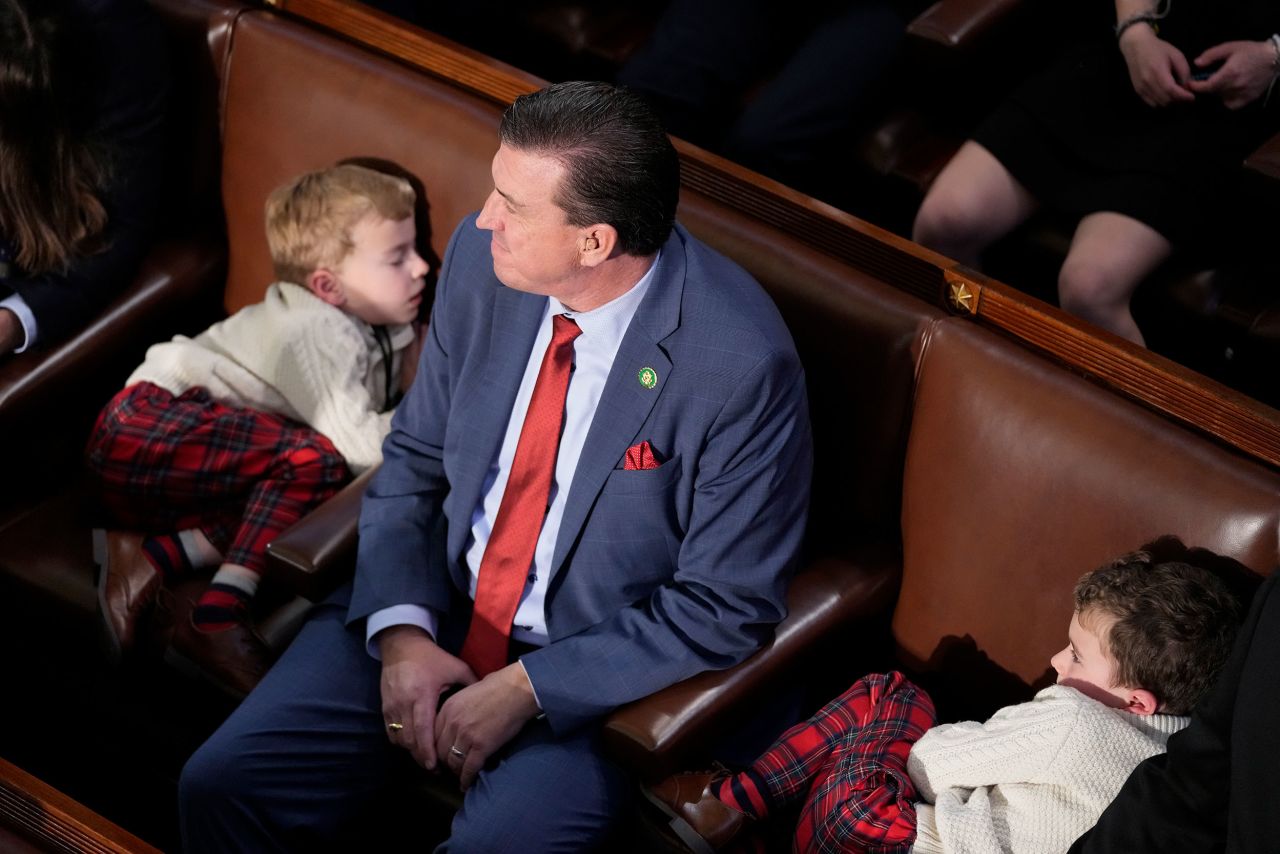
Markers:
<point>611,319</point>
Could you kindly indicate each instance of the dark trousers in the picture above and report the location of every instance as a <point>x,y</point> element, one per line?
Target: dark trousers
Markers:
<point>706,54</point>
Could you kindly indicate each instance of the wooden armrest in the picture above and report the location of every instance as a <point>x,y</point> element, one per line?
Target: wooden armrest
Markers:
<point>1266,160</point>
<point>175,277</point>
<point>51,821</point>
<point>960,23</point>
<point>654,735</point>
<point>318,552</point>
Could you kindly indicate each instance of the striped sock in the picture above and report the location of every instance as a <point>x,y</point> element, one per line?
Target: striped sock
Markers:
<point>744,792</point>
<point>166,554</point>
<point>226,602</point>
<point>200,551</point>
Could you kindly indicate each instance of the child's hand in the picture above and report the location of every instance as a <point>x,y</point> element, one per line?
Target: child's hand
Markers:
<point>409,358</point>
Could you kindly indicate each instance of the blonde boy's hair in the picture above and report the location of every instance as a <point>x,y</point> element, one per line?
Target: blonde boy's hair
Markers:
<point>310,219</point>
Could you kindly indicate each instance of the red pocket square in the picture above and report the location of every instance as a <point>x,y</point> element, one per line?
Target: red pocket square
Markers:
<point>640,457</point>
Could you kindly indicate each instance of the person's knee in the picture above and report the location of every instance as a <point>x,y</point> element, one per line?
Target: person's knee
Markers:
<point>945,220</point>
<point>508,822</point>
<point>1092,290</point>
<point>210,778</point>
<point>317,465</point>
<point>523,799</point>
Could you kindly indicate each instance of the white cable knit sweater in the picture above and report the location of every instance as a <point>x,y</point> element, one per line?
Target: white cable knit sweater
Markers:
<point>297,356</point>
<point>1033,777</point>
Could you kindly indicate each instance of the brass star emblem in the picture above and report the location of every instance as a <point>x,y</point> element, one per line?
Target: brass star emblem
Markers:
<point>962,297</point>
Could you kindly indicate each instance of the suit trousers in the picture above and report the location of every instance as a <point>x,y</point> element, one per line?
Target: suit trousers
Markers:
<point>307,751</point>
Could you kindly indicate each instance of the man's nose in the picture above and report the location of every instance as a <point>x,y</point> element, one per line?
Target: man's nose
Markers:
<point>487,220</point>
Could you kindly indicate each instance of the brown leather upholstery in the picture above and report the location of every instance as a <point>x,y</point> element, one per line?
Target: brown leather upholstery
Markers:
<point>1021,476</point>
<point>297,100</point>
<point>318,553</point>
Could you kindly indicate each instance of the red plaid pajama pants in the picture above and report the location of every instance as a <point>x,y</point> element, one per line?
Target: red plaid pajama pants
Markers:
<point>849,764</point>
<point>166,464</point>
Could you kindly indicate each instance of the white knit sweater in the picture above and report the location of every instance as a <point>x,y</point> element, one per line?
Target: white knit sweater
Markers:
<point>1033,777</point>
<point>297,356</point>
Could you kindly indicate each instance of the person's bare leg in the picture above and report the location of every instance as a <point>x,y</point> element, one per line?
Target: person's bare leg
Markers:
<point>973,202</point>
<point>1110,255</point>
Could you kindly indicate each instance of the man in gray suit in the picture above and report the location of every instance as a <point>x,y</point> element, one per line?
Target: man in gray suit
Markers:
<point>597,487</point>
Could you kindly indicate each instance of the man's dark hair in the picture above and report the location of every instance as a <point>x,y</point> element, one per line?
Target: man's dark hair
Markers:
<point>620,166</point>
<point>1174,625</point>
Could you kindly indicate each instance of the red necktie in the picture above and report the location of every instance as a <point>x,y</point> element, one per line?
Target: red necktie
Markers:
<point>509,553</point>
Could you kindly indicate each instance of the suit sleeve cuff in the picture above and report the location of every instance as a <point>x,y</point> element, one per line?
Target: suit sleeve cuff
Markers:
<point>398,615</point>
<point>22,311</point>
<point>533,689</point>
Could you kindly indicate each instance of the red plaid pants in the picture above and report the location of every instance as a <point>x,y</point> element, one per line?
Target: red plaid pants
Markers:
<point>166,464</point>
<point>849,764</point>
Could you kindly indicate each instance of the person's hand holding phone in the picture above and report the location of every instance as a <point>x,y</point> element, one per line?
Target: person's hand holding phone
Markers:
<point>1158,70</point>
<point>1244,72</point>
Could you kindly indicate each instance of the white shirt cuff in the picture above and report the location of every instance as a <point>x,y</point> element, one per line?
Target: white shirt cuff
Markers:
<point>398,615</point>
<point>22,311</point>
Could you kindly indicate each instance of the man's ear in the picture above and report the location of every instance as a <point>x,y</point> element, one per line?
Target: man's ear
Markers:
<point>596,244</point>
<point>1142,702</point>
<point>326,286</point>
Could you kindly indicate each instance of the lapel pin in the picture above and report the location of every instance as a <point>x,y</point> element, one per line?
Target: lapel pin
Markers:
<point>648,377</point>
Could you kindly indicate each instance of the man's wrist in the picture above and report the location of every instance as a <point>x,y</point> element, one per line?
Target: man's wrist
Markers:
<point>1135,31</point>
<point>396,641</point>
<point>518,678</point>
<point>11,332</point>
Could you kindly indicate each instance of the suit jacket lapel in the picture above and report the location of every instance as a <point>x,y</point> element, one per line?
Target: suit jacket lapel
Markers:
<point>626,403</point>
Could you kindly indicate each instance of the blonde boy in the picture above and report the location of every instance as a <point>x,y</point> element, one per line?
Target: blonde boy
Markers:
<point>219,442</point>
<point>874,772</point>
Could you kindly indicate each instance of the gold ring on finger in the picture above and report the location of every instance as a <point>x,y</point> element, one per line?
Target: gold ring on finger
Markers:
<point>395,727</point>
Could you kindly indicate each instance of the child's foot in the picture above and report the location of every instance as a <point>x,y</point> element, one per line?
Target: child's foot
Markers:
<point>221,606</point>
<point>698,817</point>
<point>233,655</point>
<point>128,582</point>
<point>234,658</point>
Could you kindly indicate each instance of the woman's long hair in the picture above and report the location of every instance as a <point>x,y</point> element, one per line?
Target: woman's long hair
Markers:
<point>50,174</point>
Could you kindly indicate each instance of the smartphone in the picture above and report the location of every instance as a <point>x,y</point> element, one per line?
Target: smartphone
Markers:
<point>1203,74</point>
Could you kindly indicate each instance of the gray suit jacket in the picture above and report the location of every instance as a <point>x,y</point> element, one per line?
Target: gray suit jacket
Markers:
<point>657,574</point>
